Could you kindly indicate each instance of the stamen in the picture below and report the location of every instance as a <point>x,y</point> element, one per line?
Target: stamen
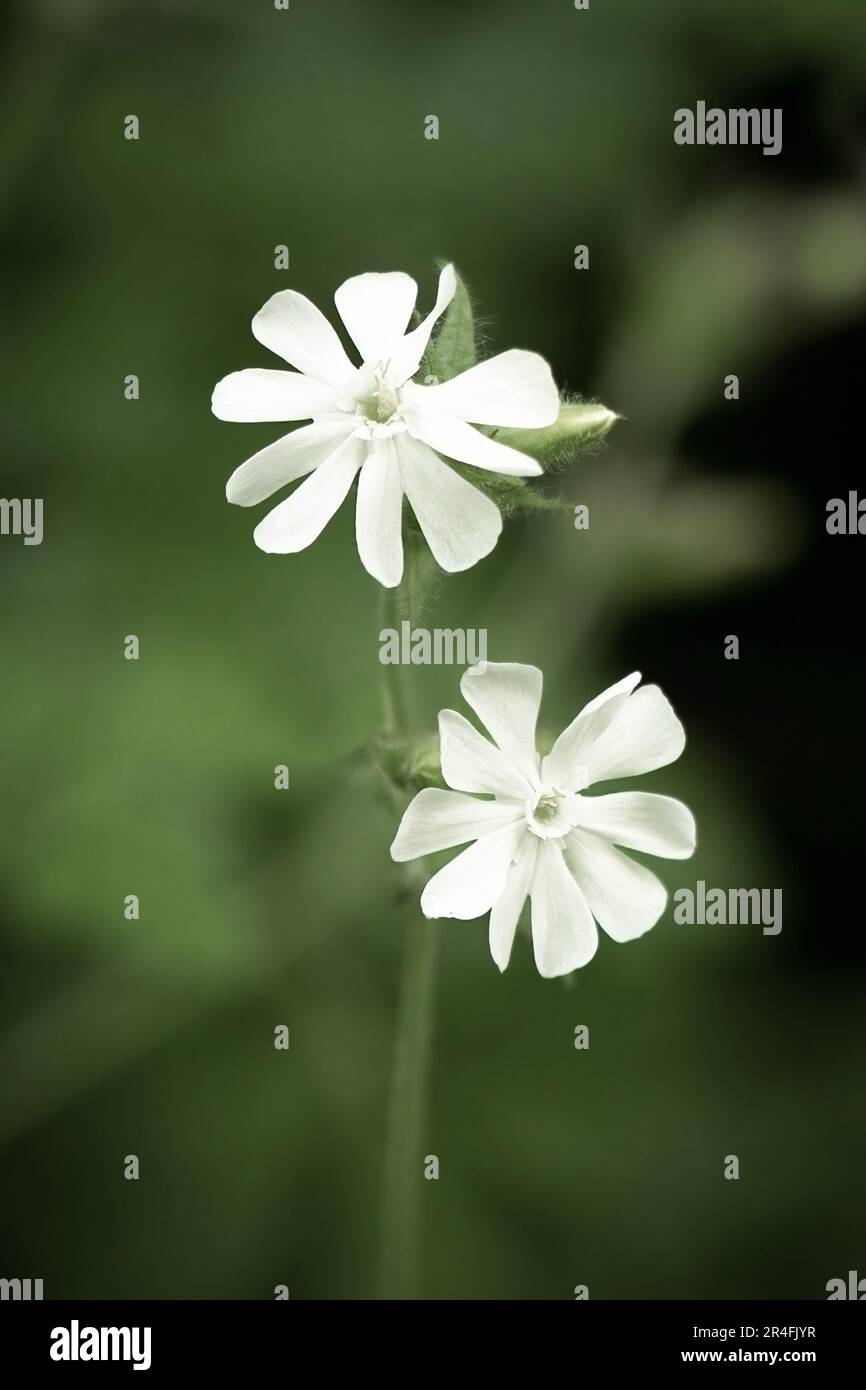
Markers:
<point>546,807</point>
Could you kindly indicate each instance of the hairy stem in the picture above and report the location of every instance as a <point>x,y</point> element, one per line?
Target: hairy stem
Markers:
<point>407,1102</point>
<point>396,703</point>
<point>404,1156</point>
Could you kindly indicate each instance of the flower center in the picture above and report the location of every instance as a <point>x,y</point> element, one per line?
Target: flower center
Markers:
<point>380,406</point>
<point>550,813</point>
<point>546,807</point>
<point>374,401</point>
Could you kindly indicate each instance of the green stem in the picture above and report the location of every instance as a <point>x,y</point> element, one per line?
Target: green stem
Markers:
<point>395,682</point>
<point>407,1102</point>
<point>404,1157</point>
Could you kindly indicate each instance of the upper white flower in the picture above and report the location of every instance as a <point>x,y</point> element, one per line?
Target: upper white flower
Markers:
<point>376,421</point>
<point>540,836</point>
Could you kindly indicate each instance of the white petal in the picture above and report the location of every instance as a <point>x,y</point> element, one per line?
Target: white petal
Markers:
<point>379,515</point>
<point>291,325</point>
<point>565,764</point>
<point>376,309</point>
<point>289,458</point>
<point>437,819</point>
<point>470,763</point>
<point>625,897</point>
<point>462,442</point>
<point>640,820</point>
<point>623,687</point>
<point>469,886</point>
<point>296,523</point>
<point>644,734</point>
<point>459,523</point>
<point>506,697</point>
<point>564,936</point>
<point>260,394</point>
<point>516,388</point>
<point>505,913</point>
<point>406,357</point>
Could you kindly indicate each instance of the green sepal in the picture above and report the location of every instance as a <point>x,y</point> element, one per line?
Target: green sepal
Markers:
<point>453,348</point>
<point>512,496</point>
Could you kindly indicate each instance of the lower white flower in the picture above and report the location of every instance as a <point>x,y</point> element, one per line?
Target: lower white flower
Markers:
<point>540,837</point>
<point>375,423</point>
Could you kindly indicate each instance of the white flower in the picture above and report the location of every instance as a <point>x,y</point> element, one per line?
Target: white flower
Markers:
<point>540,837</point>
<point>373,420</point>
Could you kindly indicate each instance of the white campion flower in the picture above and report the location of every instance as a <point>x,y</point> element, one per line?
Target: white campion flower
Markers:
<point>539,836</point>
<point>376,423</point>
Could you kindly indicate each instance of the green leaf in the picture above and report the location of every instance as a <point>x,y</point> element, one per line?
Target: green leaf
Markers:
<point>453,350</point>
<point>579,428</point>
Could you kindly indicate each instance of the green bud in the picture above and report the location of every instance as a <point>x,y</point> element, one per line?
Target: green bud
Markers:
<point>425,768</point>
<point>409,763</point>
<point>579,427</point>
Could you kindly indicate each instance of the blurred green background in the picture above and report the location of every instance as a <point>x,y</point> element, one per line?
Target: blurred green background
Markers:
<point>155,1037</point>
